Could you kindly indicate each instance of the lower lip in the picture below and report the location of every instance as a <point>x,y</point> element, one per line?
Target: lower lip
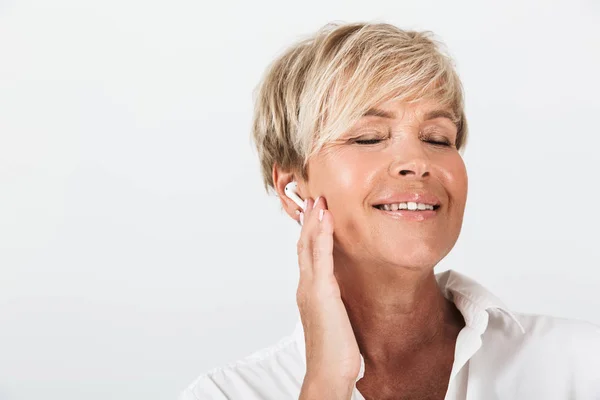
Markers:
<point>418,215</point>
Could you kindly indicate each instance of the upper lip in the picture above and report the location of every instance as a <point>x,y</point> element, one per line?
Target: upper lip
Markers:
<point>405,197</point>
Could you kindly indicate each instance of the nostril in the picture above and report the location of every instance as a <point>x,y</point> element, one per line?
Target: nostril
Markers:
<point>408,171</point>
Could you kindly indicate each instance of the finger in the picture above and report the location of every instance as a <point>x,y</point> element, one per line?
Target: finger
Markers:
<point>322,248</point>
<point>311,215</point>
<point>310,224</point>
<point>304,244</point>
<point>300,216</point>
<point>309,203</point>
<point>321,238</point>
<point>312,220</point>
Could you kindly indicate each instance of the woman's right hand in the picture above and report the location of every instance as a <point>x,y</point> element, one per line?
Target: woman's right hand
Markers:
<point>332,354</point>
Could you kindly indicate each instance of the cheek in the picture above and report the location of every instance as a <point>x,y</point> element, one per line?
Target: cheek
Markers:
<point>345,176</point>
<point>345,190</point>
<point>455,175</point>
<point>348,174</point>
<point>346,183</point>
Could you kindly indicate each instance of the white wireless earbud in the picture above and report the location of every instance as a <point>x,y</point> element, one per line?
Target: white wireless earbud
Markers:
<point>290,191</point>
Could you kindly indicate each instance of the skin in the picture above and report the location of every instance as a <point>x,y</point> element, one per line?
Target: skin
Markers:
<point>367,284</point>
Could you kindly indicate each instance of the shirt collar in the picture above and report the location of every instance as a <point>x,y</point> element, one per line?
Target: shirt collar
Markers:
<point>473,300</point>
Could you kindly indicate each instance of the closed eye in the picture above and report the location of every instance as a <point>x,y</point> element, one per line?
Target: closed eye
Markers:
<point>375,141</point>
<point>369,141</point>
<point>439,143</point>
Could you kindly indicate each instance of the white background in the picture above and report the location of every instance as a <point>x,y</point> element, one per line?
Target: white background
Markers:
<point>129,262</point>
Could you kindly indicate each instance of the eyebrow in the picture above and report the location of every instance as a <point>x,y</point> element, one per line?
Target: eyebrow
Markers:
<point>376,112</point>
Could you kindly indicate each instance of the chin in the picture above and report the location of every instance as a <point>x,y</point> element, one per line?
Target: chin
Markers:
<point>418,256</point>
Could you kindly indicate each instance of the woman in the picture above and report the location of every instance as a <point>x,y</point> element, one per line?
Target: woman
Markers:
<point>368,119</point>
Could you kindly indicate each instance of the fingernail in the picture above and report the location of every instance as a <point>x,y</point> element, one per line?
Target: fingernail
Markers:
<point>301,218</point>
<point>297,212</point>
<point>316,201</point>
<point>321,211</point>
<point>305,204</point>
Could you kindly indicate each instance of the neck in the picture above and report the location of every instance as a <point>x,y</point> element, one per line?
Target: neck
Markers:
<point>398,313</point>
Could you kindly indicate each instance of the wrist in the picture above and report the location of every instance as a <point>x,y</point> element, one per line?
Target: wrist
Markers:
<point>323,388</point>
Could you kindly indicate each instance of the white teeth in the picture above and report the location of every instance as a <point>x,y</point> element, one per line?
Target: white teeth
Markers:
<point>411,205</point>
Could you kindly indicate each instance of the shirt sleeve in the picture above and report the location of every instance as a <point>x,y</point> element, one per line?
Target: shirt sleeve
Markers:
<point>187,394</point>
<point>203,388</point>
<point>585,343</point>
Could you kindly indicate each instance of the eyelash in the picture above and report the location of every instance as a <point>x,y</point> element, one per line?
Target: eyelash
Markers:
<point>375,141</point>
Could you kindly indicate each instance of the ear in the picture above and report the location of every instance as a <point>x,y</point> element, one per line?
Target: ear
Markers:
<point>280,179</point>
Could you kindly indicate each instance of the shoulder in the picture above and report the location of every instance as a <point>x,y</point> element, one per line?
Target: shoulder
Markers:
<point>546,333</point>
<point>565,352</point>
<point>274,372</point>
<point>536,324</point>
<point>577,339</point>
<point>550,358</point>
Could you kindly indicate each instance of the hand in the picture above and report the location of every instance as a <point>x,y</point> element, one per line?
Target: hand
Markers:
<point>332,354</point>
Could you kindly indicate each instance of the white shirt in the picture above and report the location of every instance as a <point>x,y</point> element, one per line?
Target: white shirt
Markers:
<point>499,355</point>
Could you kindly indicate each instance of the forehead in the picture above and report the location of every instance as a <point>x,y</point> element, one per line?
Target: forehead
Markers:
<point>422,110</point>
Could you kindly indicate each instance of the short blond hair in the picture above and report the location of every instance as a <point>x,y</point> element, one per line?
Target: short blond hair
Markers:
<point>321,86</point>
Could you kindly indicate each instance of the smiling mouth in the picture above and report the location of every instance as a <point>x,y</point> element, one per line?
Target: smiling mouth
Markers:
<point>407,206</point>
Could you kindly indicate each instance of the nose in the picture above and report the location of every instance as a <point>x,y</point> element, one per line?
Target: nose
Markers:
<point>410,160</point>
<point>414,172</point>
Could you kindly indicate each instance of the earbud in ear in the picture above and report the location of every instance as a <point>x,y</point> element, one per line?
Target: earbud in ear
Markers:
<point>290,191</point>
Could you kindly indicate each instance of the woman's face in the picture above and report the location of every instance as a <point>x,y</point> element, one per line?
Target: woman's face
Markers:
<point>391,154</point>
